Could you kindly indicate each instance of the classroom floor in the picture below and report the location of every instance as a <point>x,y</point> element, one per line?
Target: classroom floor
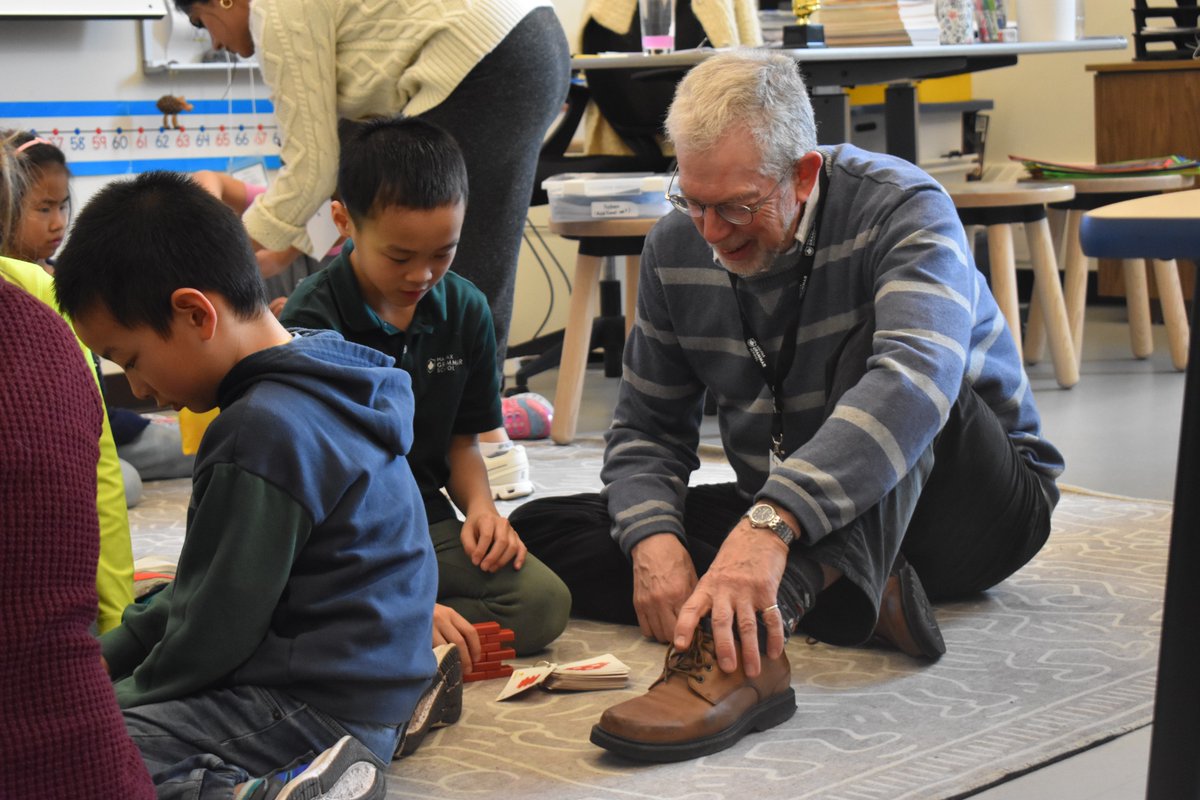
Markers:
<point>1119,431</point>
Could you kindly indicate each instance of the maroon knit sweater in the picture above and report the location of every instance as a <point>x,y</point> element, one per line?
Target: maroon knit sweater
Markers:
<point>61,733</point>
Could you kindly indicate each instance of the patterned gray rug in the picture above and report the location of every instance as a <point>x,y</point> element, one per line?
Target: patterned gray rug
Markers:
<point>1059,657</point>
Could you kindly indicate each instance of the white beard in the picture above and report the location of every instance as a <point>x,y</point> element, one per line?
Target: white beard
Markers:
<point>767,260</point>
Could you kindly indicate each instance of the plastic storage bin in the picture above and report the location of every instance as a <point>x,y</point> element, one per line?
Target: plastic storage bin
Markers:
<point>586,196</point>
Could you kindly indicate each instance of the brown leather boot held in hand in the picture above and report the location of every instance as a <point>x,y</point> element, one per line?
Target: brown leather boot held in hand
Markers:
<point>694,708</point>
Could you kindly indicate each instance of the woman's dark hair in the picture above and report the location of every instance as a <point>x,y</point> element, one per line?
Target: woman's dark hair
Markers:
<point>137,241</point>
<point>398,161</point>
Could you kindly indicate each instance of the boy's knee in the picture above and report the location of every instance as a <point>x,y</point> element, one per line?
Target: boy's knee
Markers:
<point>545,609</point>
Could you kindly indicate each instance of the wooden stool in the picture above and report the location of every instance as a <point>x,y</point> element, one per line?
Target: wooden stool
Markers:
<point>999,206</point>
<point>1093,193</point>
<point>598,239</point>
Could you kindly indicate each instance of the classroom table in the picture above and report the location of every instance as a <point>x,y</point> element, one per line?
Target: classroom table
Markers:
<point>1168,226</point>
<point>828,70</point>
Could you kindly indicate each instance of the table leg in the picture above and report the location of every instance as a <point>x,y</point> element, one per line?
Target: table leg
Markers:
<point>901,115</point>
<point>577,340</point>
<point>831,111</point>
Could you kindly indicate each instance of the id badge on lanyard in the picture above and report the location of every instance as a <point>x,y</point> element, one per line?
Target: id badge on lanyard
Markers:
<point>787,350</point>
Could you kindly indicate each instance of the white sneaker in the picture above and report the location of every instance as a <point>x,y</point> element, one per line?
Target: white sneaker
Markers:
<point>508,473</point>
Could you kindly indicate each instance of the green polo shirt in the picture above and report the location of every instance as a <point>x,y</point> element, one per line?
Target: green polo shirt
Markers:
<point>449,350</point>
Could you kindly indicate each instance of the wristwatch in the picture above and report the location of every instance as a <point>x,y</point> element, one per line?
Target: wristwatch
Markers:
<point>763,515</point>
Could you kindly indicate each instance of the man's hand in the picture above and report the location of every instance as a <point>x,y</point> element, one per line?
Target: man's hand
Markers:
<point>491,542</point>
<point>744,578</point>
<point>663,577</point>
<point>450,627</point>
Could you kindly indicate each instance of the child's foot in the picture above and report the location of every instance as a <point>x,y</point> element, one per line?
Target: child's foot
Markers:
<point>440,704</point>
<point>527,415</point>
<point>508,470</point>
<point>346,771</point>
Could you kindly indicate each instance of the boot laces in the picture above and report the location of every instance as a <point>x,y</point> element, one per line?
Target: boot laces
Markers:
<point>697,659</point>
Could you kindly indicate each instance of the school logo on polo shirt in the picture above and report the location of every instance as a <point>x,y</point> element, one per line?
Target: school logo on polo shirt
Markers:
<point>440,365</point>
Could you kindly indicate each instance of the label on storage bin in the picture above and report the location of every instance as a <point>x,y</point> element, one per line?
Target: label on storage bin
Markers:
<point>607,209</point>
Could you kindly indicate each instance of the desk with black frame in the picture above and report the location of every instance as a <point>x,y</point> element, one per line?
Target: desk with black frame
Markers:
<point>828,70</point>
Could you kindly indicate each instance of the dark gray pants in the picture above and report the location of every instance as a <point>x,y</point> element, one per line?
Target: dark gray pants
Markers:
<point>966,516</point>
<point>498,115</point>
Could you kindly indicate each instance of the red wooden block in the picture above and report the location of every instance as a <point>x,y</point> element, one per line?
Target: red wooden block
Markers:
<point>486,627</point>
<point>501,672</point>
<point>498,655</point>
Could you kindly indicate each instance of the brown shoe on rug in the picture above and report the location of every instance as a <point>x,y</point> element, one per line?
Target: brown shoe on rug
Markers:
<point>694,708</point>
<point>439,705</point>
<point>906,619</point>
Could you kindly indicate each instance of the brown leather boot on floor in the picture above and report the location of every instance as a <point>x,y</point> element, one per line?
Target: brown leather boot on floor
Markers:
<point>694,708</point>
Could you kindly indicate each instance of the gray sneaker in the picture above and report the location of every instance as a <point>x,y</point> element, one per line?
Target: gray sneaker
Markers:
<point>346,771</point>
<point>439,705</point>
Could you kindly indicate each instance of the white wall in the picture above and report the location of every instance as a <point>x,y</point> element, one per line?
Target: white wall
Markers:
<point>1044,105</point>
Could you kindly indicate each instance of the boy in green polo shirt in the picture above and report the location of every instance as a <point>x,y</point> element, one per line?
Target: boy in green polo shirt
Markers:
<point>403,189</point>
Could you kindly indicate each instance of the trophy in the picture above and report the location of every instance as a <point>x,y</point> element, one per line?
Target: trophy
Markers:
<point>804,33</point>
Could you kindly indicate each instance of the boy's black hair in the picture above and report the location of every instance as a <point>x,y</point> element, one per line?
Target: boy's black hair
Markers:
<point>138,241</point>
<point>399,161</point>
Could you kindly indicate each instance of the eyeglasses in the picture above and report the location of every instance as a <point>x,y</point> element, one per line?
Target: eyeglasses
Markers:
<point>733,213</point>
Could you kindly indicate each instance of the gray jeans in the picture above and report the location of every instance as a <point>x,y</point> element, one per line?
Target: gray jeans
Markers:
<point>203,745</point>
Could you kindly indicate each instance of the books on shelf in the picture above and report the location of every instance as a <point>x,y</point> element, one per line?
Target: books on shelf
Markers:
<point>1159,165</point>
<point>602,672</point>
<point>857,23</point>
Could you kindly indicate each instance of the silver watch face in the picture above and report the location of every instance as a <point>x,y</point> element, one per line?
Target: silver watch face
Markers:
<point>762,515</point>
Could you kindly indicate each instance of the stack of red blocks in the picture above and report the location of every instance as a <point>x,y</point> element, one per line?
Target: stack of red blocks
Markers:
<point>492,639</point>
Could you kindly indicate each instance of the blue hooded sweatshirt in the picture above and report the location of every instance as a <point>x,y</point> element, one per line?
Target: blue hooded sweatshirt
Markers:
<point>306,566</point>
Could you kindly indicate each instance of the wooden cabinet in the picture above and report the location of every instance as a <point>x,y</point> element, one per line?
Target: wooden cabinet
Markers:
<point>1146,109</point>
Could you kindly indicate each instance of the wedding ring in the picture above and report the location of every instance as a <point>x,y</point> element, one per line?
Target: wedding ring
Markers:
<point>771,608</point>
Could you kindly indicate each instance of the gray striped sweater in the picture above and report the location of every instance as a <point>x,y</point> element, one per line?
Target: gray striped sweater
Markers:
<point>889,243</point>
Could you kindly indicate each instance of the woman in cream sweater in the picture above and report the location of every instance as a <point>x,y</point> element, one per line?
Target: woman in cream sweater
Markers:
<point>493,73</point>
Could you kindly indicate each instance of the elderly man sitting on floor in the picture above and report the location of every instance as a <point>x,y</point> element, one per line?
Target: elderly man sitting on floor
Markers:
<point>871,402</point>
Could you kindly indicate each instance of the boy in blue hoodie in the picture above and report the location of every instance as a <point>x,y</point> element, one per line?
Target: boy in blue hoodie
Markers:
<point>300,618</point>
<point>402,188</point>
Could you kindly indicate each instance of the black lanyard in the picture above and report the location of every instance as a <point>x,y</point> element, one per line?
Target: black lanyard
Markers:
<point>787,347</point>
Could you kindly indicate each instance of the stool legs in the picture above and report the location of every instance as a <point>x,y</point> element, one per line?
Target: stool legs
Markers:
<point>1075,269</point>
<point>577,340</point>
<point>1075,273</point>
<point>1050,297</point>
<point>1137,305</point>
<point>633,267</point>
<point>1170,295</point>
<point>1004,277</point>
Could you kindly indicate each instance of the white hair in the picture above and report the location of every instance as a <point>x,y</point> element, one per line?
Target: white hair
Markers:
<point>750,90</point>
